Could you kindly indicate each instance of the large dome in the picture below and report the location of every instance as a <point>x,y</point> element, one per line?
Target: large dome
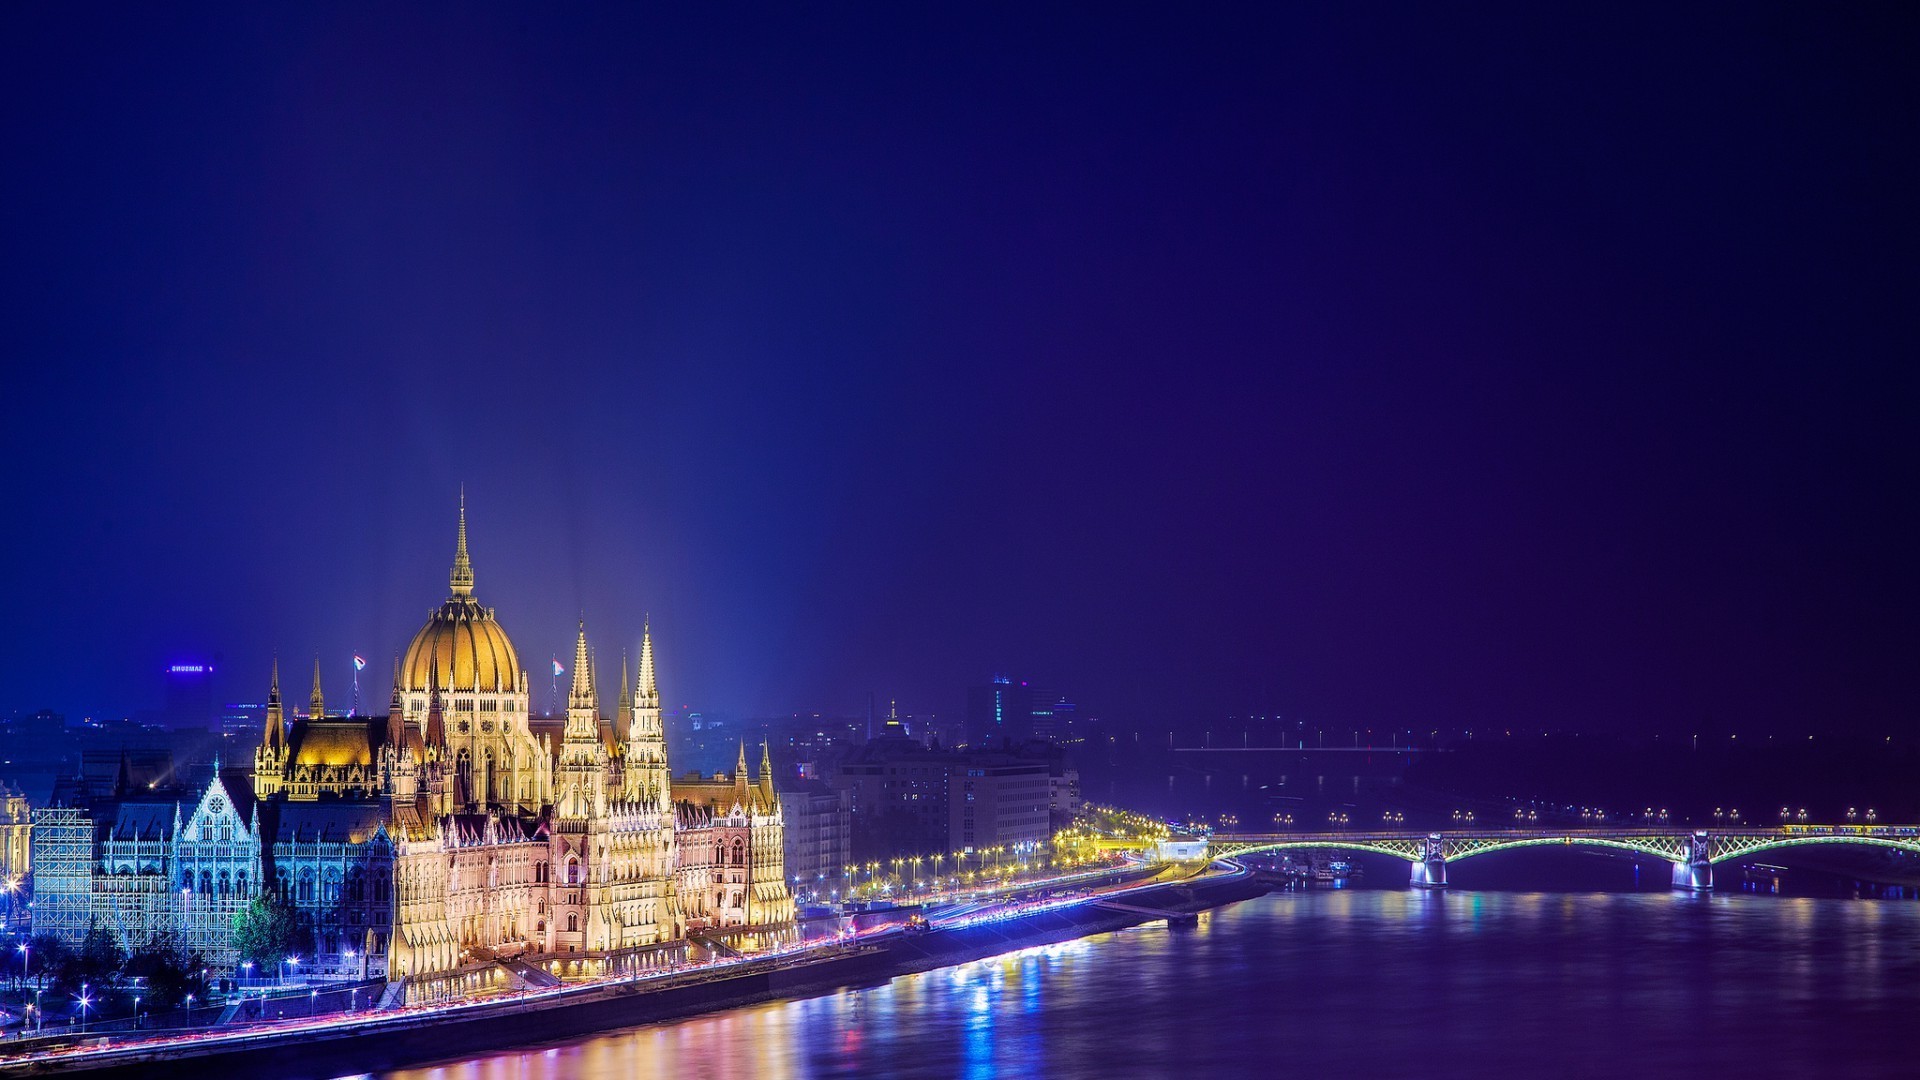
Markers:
<point>461,646</point>
<point>464,644</point>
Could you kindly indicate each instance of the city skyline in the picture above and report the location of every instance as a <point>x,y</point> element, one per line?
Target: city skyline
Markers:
<point>1285,361</point>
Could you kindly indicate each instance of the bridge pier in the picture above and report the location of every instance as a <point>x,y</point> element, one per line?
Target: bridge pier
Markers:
<point>1695,872</point>
<point>1430,869</point>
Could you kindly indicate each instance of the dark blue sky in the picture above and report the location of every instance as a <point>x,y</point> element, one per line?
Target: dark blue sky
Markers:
<point>1420,367</point>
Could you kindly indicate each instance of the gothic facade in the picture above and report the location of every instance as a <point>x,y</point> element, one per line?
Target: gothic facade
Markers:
<point>505,835</point>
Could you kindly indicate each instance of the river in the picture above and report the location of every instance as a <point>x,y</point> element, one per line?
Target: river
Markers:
<point>1362,982</point>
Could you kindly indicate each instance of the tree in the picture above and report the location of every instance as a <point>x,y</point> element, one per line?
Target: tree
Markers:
<point>99,959</point>
<point>48,953</point>
<point>268,930</point>
<point>170,972</point>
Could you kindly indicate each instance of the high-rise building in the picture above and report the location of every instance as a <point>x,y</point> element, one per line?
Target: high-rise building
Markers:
<point>189,697</point>
<point>907,799</point>
<point>1007,710</point>
<point>819,830</point>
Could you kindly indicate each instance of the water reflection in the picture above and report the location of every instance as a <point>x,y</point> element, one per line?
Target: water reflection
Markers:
<point>1347,982</point>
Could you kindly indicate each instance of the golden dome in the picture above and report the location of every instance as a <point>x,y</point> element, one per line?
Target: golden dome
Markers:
<point>461,645</point>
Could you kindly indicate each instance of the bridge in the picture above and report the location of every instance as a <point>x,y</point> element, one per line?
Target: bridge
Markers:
<point>1691,852</point>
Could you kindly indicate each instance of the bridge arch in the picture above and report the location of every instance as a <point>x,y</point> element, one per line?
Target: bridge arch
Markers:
<point>1408,853</point>
<point>1670,851</point>
<point>1729,848</point>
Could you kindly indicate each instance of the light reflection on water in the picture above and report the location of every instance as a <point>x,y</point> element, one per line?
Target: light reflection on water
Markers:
<point>1384,982</point>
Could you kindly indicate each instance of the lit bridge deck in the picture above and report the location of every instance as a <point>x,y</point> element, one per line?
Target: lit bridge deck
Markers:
<point>1692,852</point>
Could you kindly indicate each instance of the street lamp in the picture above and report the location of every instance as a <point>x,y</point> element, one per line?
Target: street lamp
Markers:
<point>84,1001</point>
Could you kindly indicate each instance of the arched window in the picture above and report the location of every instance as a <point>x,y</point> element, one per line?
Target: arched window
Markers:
<point>226,885</point>
<point>306,886</point>
<point>573,923</point>
<point>739,853</point>
<point>573,870</point>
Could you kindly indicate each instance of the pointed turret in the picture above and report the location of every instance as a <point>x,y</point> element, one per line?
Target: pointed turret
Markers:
<point>646,766</point>
<point>396,714</point>
<point>317,705</point>
<point>646,691</point>
<point>740,775</point>
<point>581,776</point>
<point>436,734</point>
<point>269,761</point>
<point>276,736</point>
<point>623,716</point>
<point>766,775</point>
<point>582,668</point>
<point>462,576</point>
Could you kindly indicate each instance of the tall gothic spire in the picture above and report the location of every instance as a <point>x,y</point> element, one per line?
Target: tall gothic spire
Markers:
<point>623,717</point>
<point>436,733</point>
<point>462,576</point>
<point>396,713</point>
<point>276,716</point>
<point>647,691</point>
<point>583,709</point>
<point>766,775</point>
<point>318,703</point>
<point>740,774</point>
<point>582,693</point>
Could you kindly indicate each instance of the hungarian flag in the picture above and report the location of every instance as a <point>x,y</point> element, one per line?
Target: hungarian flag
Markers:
<point>359,662</point>
<point>558,670</point>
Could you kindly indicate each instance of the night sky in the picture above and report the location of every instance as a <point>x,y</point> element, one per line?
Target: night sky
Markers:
<point>1443,366</point>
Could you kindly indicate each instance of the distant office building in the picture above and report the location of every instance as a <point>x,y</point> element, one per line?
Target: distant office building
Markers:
<point>819,835</point>
<point>1050,716</point>
<point>908,799</point>
<point>240,727</point>
<point>189,700</point>
<point>998,802</point>
<point>1007,710</point>
<point>994,711</point>
<point>1063,794</point>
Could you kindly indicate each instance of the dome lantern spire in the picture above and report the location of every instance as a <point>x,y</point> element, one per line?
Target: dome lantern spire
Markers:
<point>462,577</point>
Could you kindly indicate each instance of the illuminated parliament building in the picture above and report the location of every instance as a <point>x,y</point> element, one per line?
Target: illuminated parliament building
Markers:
<point>460,829</point>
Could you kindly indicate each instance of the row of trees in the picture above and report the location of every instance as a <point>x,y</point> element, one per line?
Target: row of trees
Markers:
<point>161,971</point>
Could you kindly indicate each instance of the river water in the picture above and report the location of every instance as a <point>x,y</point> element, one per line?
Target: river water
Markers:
<point>1362,982</point>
